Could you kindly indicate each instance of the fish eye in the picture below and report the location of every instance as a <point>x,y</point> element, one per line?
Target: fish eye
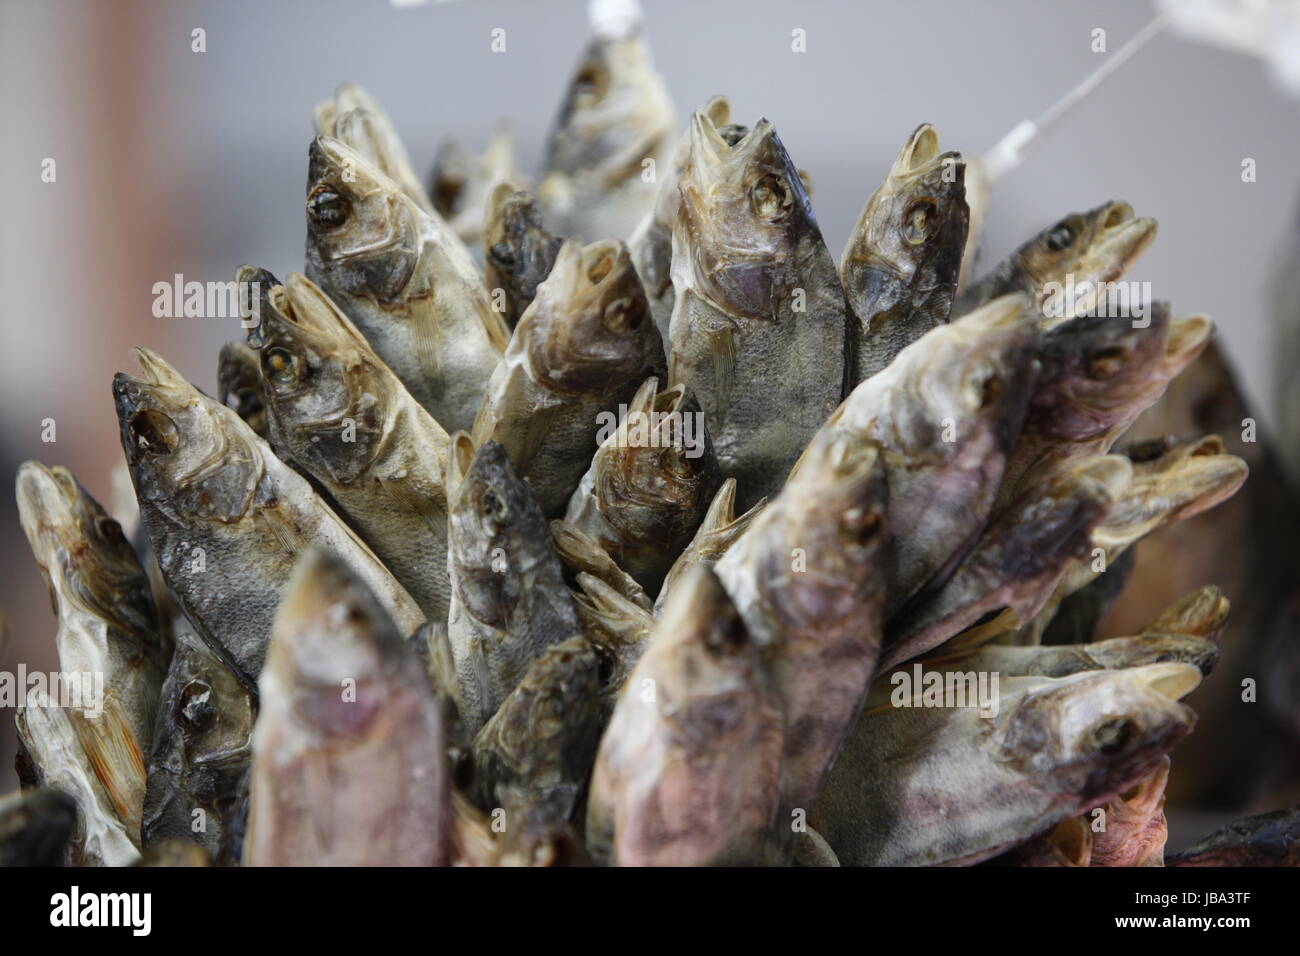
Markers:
<point>110,531</point>
<point>920,221</point>
<point>1111,736</point>
<point>771,198</point>
<point>675,461</point>
<point>1106,363</point>
<point>194,708</point>
<point>1060,237</point>
<point>858,527</point>
<point>493,505</point>
<point>592,82</point>
<point>281,366</point>
<point>502,255</point>
<point>446,192</point>
<point>154,433</point>
<point>728,635</point>
<point>327,208</point>
<point>623,314</point>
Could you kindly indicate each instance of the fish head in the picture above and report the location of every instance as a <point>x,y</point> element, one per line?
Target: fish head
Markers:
<point>590,324</point>
<point>1201,613</point>
<point>660,462</point>
<point>363,232</point>
<point>744,213</point>
<point>330,634</point>
<point>82,553</point>
<point>239,386</point>
<point>518,251</point>
<point>1096,733</point>
<point>1155,648</point>
<point>321,380</point>
<point>1098,370</point>
<point>915,224</point>
<point>1094,246</point>
<point>496,533</point>
<point>705,665</point>
<point>966,384</point>
<point>191,458</point>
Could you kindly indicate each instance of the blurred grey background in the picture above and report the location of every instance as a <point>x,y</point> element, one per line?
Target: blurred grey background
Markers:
<point>171,161</point>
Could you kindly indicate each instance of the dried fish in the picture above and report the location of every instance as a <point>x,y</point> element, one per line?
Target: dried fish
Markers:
<point>1018,560</point>
<point>240,387</point>
<point>1087,248</point>
<point>651,244</point>
<point>649,483</point>
<point>227,518</point>
<point>580,553</point>
<point>1133,831</point>
<point>717,532</point>
<point>807,577</point>
<point>1116,653</point>
<point>355,118</point>
<point>617,628</point>
<point>508,602</point>
<point>935,784</point>
<point>200,749</point>
<point>349,751</point>
<point>616,115</point>
<point>518,252</point>
<point>341,415</point>
<point>945,414</point>
<point>533,756</point>
<point>405,279</point>
<point>1267,839</point>
<point>36,827</point>
<point>900,266</point>
<point>582,349</point>
<point>108,638</point>
<point>54,745</point>
<point>759,324</point>
<point>461,183</point>
<point>1068,844</point>
<point>688,772</point>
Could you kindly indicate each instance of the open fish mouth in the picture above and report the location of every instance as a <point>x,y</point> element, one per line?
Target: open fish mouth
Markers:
<point>1121,238</point>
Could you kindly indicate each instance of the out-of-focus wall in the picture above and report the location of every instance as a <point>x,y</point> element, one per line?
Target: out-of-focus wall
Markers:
<point>171,161</point>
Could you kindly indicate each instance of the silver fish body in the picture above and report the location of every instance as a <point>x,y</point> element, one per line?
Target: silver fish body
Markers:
<point>338,412</point>
<point>759,324</point>
<point>405,279</point>
<point>226,517</point>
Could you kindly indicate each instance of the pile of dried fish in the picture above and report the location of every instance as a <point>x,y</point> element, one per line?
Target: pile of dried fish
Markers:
<point>640,533</point>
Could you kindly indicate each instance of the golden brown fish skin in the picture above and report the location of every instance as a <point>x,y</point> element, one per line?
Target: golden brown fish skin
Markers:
<point>647,489</point>
<point>808,579</point>
<point>405,279</point>
<point>937,785</point>
<point>580,553</point>
<point>200,749</point>
<point>759,326</point>
<point>1093,247</point>
<point>350,750</point>
<point>583,347</point>
<point>461,183</point>
<point>1267,839</point>
<point>172,853</point>
<point>616,114</point>
<point>534,755</point>
<point>518,252</point>
<point>226,517</point>
<point>651,244</point>
<point>900,266</point>
<point>688,771</point>
<point>1098,374</point>
<point>1135,832</point>
<point>1201,613</point>
<point>945,413</point>
<point>509,603</point>
<point>1018,560</point>
<point>355,118</point>
<point>36,827</point>
<point>108,627</point>
<point>1069,844</point>
<point>720,529</point>
<point>342,416</point>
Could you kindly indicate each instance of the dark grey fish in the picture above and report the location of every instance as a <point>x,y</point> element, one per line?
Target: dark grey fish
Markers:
<point>508,602</point>
<point>1267,839</point>
<point>200,749</point>
<point>759,326</point>
<point>36,827</point>
<point>900,266</point>
<point>240,387</point>
<point>518,252</point>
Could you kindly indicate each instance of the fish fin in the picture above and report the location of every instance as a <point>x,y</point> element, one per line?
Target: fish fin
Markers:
<point>498,331</point>
<point>114,756</point>
<point>426,353</point>
<point>722,349</point>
